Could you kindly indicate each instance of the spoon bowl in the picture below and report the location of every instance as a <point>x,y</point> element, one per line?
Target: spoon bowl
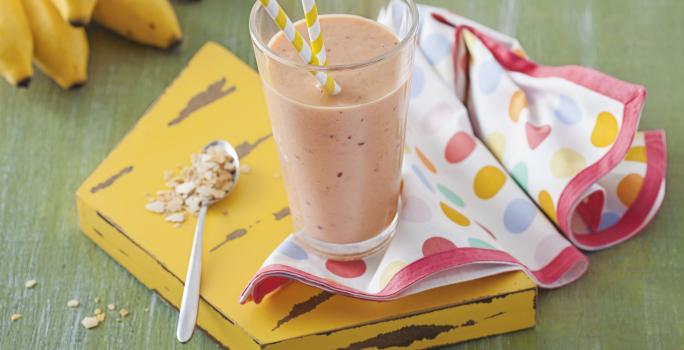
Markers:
<point>236,161</point>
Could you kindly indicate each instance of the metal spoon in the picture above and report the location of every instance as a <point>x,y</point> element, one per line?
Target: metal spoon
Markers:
<point>191,292</point>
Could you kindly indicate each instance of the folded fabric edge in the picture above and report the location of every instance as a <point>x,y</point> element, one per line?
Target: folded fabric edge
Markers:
<point>565,268</point>
<point>439,15</point>
<point>647,204</point>
<point>632,96</point>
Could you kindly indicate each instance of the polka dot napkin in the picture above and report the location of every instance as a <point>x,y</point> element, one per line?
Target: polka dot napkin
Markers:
<point>509,165</point>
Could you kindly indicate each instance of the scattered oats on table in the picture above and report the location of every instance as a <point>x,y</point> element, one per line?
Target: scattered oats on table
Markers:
<point>100,317</point>
<point>175,217</point>
<point>89,322</point>
<point>73,303</point>
<point>123,312</point>
<point>208,179</point>
<point>97,311</point>
<point>111,306</point>
<point>155,207</point>
<point>97,300</point>
<point>31,283</point>
<point>245,169</point>
<point>15,317</point>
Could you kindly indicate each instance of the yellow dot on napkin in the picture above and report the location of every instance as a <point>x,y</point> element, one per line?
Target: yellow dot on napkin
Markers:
<point>488,182</point>
<point>454,215</point>
<point>428,164</point>
<point>605,131</point>
<point>566,162</point>
<point>389,272</point>
<point>546,203</point>
<point>517,104</point>
<point>629,187</point>
<point>636,154</point>
<point>497,143</point>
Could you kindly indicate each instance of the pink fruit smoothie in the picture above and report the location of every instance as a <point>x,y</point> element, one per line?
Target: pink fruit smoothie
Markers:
<point>341,155</point>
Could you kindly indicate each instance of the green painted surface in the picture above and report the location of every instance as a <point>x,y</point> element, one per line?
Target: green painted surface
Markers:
<point>50,140</point>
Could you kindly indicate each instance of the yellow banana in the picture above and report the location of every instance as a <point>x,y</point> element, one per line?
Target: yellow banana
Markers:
<point>76,12</point>
<point>61,51</point>
<point>16,44</point>
<point>150,22</point>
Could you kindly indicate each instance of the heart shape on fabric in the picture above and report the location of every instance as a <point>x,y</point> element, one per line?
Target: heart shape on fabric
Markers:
<point>536,134</point>
<point>590,210</point>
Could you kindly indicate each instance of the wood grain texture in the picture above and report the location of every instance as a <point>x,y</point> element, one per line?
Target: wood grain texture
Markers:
<point>50,140</point>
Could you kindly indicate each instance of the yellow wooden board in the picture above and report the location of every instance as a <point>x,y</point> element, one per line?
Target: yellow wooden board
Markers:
<point>219,97</point>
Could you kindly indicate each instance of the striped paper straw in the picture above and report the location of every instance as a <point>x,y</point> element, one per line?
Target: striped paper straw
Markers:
<point>315,34</point>
<point>285,24</point>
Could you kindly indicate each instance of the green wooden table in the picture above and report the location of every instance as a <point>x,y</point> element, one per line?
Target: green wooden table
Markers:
<point>50,140</point>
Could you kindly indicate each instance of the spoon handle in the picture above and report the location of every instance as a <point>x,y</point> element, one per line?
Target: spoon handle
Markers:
<point>190,302</point>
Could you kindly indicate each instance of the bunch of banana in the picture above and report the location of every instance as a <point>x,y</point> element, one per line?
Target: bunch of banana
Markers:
<point>51,33</point>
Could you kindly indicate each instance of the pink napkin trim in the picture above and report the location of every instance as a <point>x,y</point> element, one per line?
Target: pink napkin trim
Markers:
<point>272,277</point>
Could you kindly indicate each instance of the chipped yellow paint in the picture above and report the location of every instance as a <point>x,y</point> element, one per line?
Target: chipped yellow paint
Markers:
<point>236,244</point>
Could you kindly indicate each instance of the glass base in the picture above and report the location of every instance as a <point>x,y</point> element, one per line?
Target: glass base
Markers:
<point>349,251</point>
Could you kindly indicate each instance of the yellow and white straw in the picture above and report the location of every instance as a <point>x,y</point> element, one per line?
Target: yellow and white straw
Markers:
<point>315,34</point>
<point>283,22</point>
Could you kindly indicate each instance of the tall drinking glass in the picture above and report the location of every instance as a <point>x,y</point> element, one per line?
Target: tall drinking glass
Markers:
<point>341,155</point>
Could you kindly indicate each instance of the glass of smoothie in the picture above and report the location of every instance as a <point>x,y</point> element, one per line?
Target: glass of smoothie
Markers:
<point>341,155</point>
